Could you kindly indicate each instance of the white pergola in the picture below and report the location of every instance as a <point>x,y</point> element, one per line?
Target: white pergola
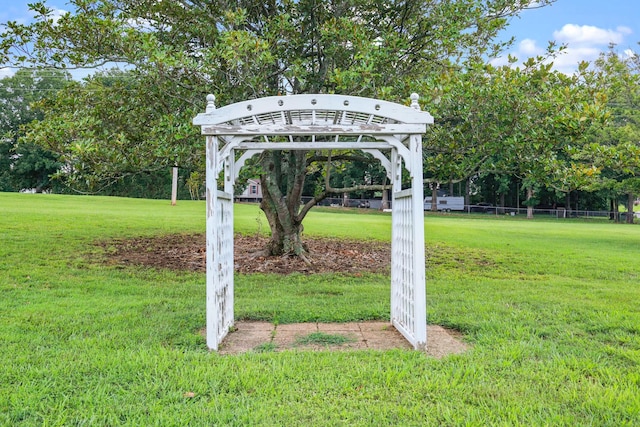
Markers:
<point>392,133</point>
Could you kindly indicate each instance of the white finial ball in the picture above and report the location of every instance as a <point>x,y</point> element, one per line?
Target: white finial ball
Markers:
<point>210,103</point>
<point>414,101</point>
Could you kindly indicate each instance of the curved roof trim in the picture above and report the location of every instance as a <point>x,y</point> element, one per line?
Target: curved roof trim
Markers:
<point>306,109</point>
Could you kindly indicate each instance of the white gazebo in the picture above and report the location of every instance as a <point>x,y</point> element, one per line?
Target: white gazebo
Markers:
<point>390,132</point>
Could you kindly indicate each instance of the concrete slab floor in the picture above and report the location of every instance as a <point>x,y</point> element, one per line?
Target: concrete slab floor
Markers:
<point>265,336</point>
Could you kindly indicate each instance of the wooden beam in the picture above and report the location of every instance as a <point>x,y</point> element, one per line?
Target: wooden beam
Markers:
<point>325,145</point>
<point>308,129</point>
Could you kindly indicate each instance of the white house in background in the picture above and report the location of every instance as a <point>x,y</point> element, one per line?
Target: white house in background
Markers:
<point>252,192</point>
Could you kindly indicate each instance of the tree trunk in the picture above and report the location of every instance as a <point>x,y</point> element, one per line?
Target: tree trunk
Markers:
<point>285,236</point>
<point>567,204</point>
<point>611,213</point>
<point>434,198</point>
<point>502,196</point>
<point>529,205</point>
<point>385,199</point>
<point>467,194</point>
<point>282,181</point>
<point>630,200</point>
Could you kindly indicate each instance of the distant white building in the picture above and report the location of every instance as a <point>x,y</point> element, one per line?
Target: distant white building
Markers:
<point>252,192</point>
<point>445,203</point>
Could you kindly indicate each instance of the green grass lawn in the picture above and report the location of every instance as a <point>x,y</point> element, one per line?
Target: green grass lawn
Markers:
<point>551,309</point>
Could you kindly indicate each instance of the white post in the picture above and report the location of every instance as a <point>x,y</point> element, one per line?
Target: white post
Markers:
<point>419,292</point>
<point>229,172</point>
<point>174,186</point>
<point>212,238</point>
<point>419,280</point>
<point>212,231</point>
<point>396,186</point>
<point>396,172</point>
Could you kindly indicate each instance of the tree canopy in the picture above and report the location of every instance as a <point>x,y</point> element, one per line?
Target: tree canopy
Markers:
<point>26,165</point>
<point>615,148</point>
<point>173,53</point>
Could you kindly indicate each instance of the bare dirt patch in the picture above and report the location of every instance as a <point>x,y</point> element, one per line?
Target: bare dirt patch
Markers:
<point>187,252</point>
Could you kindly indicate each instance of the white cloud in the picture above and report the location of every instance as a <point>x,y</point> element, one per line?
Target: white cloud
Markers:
<point>567,61</point>
<point>57,14</point>
<point>529,47</point>
<point>140,24</point>
<point>526,48</point>
<point>6,72</point>
<point>499,61</point>
<point>583,43</point>
<point>571,33</point>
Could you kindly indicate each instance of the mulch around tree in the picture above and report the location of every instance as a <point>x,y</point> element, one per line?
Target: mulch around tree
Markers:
<point>186,252</point>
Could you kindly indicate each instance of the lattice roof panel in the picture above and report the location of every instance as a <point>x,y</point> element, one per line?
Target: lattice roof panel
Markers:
<point>312,115</point>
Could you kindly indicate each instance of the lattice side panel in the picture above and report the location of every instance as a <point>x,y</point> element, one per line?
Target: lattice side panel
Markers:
<point>402,286</point>
<point>223,264</point>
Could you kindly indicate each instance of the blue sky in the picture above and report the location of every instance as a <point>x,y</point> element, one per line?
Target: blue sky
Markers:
<point>586,26</point>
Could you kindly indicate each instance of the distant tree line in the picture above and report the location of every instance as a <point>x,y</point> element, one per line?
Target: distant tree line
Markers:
<point>503,134</point>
